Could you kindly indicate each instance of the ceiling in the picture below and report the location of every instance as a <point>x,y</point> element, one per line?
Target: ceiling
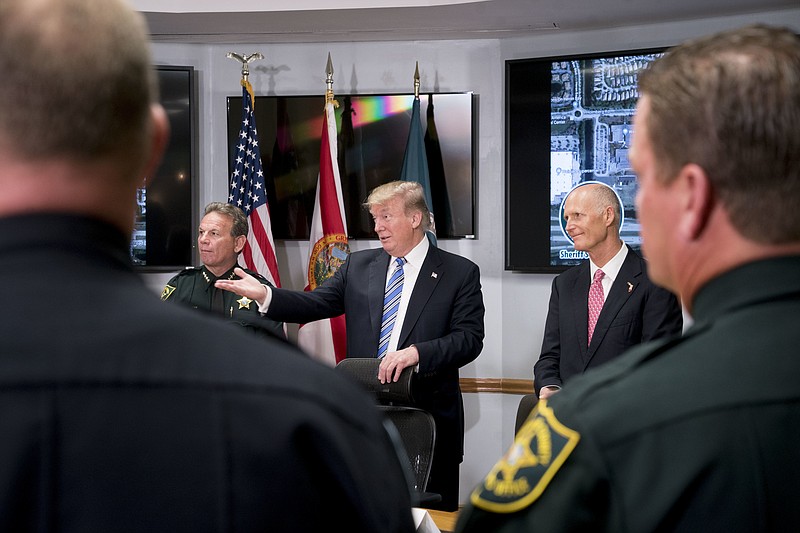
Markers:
<point>264,21</point>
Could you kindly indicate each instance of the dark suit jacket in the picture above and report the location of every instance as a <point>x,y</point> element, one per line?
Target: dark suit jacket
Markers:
<point>120,413</point>
<point>444,321</point>
<point>635,311</point>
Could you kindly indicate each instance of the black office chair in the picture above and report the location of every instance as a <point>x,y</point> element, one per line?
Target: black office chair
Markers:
<point>415,427</point>
<point>526,405</point>
<point>365,372</point>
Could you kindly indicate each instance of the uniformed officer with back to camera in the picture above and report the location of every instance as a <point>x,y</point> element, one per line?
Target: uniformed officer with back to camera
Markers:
<point>221,237</point>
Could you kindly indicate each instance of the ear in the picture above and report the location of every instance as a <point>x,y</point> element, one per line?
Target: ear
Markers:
<point>697,200</point>
<point>609,216</point>
<point>416,219</point>
<point>238,243</point>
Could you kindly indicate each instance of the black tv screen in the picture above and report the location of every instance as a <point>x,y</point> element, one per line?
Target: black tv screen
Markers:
<point>164,229</point>
<point>372,135</point>
<point>568,122</point>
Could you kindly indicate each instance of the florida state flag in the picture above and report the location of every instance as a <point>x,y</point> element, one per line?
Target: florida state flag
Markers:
<point>325,340</point>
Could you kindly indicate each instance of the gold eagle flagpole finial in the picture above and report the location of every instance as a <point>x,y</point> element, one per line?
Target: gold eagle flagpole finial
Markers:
<point>245,60</point>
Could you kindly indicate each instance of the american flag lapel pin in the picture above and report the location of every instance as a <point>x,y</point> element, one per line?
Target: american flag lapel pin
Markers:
<point>434,275</point>
<point>630,287</point>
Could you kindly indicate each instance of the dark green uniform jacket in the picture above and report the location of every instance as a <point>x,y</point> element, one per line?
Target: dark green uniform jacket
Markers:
<point>700,433</point>
<point>194,286</point>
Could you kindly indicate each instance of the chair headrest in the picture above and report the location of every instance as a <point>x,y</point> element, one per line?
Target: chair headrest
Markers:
<point>365,371</point>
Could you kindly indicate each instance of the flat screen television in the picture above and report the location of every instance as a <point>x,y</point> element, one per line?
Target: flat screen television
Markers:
<point>372,134</point>
<point>568,121</point>
<point>164,229</point>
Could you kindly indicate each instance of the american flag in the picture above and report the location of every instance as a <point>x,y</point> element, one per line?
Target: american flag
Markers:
<point>249,193</point>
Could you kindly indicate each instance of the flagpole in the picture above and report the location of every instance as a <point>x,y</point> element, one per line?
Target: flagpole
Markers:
<point>329,83</point>
<point>325,340</point>
<point>415,160</point>
<point>248,189</point>
<point>416,82</point>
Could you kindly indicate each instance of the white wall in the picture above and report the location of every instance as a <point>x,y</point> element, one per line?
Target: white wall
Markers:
<point>516,303</point>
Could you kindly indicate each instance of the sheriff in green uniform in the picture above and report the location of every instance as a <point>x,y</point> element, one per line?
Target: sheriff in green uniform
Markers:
<point>221,237</point>
<point>699,433</point>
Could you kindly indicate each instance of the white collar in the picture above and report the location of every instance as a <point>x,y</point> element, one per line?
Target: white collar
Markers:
<point>612,268</point>
<point>417,254</point>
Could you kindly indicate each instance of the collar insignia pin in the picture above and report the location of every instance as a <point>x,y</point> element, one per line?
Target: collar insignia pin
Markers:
<point>434,275</point>
<point>630,287</point>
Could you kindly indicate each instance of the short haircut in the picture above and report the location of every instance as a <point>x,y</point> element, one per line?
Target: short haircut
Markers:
<point>730,103</point>
<point>76,80</point>
<point>604,196</point>
<point>240,225</point>
<point>411,192</point>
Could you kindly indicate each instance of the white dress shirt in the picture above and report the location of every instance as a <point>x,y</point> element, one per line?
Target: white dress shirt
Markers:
<point>610,269</point>
<point>411,269</point>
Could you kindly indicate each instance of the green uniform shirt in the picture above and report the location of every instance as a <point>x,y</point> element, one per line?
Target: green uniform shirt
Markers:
<point>700,433</point>
<point>194,286</point>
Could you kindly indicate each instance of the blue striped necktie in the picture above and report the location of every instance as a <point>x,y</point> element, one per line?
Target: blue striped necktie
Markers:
<point>391,303</point>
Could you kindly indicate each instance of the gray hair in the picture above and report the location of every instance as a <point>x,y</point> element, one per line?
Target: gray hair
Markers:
<point>604,196</point>
<point>240,225</point>
<point>410,191</point>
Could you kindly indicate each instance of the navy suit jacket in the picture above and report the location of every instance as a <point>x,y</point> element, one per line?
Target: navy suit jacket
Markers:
<point>635,311</point>
<point>444,320</point>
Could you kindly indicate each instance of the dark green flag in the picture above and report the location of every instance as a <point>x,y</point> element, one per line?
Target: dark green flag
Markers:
<point>415,163</point>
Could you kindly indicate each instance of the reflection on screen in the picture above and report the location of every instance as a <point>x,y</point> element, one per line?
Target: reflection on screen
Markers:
<point>163,229</point>
<point>372,136</point>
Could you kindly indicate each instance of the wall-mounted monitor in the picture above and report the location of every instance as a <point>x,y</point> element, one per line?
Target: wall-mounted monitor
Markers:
<point>568,121</point>
<point>164,229</point>
<point>372,135</point>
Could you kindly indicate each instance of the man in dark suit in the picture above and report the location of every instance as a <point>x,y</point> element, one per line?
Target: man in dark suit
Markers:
<point>118,412</point>
<point>698,432</point>
<point>439,325</point>
<point>633,310</point>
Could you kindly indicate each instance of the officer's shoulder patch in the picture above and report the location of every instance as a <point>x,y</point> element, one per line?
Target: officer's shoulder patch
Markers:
<point>167,292</point>
<point>520,477</point>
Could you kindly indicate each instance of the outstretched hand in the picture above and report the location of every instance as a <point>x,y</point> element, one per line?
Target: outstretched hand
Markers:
<point>247,286</point>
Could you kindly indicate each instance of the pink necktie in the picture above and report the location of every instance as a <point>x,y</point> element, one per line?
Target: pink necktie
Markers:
<point>596,300</point>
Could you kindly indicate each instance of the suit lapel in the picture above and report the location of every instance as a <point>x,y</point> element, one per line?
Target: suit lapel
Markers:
<point>580,307</point>
<point>430,273</point>
<point>624,286</point>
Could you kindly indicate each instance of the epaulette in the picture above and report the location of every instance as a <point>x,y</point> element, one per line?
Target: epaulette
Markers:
<point>189,270</point>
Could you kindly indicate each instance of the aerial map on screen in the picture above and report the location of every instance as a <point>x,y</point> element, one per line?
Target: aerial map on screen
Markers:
<point>592,104</point>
